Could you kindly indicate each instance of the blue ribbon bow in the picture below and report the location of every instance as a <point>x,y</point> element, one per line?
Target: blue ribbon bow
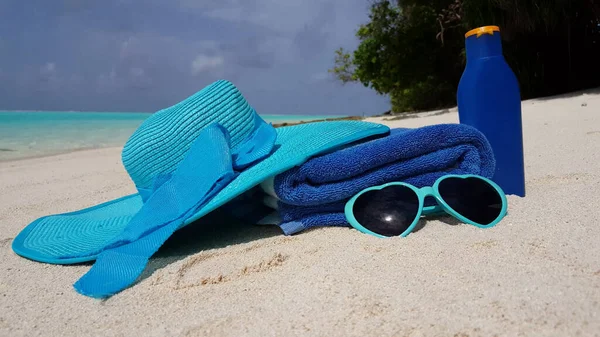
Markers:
<point>207,168</point>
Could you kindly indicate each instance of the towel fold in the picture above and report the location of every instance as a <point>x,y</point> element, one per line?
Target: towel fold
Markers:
<point>314,194</point>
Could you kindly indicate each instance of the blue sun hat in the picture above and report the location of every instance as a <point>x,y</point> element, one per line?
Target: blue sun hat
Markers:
<point>185,161</point>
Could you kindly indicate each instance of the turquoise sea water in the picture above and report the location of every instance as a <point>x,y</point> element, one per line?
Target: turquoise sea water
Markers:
<point>30,134</point>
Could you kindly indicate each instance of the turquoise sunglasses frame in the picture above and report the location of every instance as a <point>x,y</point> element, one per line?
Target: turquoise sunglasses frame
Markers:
<point>422,193</point>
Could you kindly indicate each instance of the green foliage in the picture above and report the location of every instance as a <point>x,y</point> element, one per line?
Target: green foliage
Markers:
<point>399,55</point>
<point>422,95</point>
<point>413,50</point>
<point>344,68</point>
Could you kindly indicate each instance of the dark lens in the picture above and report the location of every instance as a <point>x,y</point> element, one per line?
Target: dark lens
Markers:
<point>472,198</point>
<point>389,211</point>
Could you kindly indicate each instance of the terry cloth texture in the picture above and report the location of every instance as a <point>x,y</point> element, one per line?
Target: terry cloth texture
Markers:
<point>314,193</point>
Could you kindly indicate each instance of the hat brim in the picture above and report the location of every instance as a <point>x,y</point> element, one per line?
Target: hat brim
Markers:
<point>49,239</point>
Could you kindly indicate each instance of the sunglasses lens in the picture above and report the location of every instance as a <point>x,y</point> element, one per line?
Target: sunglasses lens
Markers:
<point>389,211</point>
<point>473,198</point>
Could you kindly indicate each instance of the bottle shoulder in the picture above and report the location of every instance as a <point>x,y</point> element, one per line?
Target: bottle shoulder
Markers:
<point>489,65</point>
<point>488,74</point>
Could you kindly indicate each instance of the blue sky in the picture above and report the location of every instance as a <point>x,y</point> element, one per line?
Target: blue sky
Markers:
<point>144,55</point>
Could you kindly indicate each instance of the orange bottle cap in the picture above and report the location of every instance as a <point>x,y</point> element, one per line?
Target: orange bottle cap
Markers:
<point>483,30</point>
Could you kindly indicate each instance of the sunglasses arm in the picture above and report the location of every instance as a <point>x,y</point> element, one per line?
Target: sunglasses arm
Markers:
<point>433,210</point>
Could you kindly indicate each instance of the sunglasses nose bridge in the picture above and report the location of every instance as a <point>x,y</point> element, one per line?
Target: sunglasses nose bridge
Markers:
<point>427,191</point>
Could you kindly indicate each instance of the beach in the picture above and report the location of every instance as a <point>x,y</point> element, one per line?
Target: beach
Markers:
<point>537,273</point>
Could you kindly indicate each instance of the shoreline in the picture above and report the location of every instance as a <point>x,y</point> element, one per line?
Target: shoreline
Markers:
<point>57,154</point>
<point>345,118</point>
<point>413,118</point>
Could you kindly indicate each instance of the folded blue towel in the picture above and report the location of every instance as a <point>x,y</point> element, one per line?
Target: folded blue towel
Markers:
<point>314,193</point>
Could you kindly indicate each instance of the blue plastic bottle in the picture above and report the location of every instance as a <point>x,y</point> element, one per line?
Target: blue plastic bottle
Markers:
<point>489,99</point>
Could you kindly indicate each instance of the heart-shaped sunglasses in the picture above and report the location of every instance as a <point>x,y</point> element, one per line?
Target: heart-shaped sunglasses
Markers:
<point>394,209</point>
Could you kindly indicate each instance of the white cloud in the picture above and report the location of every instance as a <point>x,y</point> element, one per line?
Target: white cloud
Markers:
<point>117,80</point>
<point>286,16</point>
<point>48,68</point>
<point>125,45</point>
<point>208,45</point>
<point>109,82</point>
<point>337,18</point>
<point>235,14</point>
<point>48,77</point>
<point>136,72</point>
<point>203,62</point>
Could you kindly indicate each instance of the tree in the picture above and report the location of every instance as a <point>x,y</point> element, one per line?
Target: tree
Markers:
<point>398,55</point>
<point>413,50</point>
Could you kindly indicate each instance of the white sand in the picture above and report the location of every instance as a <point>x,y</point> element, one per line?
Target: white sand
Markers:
<point>535,274</point>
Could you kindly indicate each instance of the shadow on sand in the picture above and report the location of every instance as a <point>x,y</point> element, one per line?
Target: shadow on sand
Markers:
<point>573,94</point>
<point>213,231</point>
